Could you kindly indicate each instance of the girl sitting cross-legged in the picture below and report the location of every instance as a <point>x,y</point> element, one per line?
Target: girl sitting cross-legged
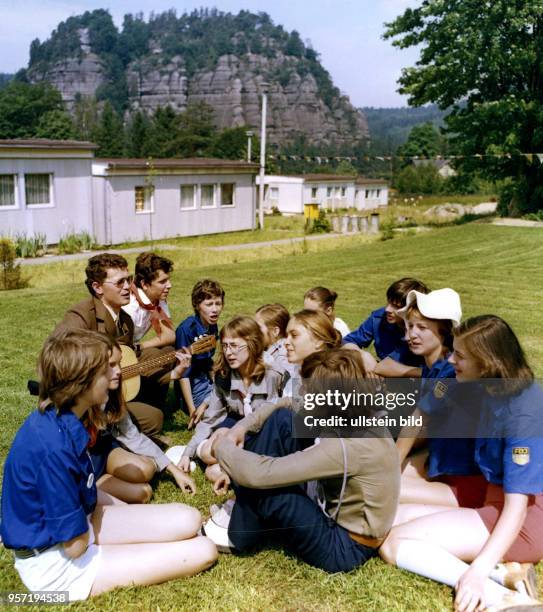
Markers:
<point>358,478</point>
<point>61,537</point>
<point>242,384</point>
<point>462,547</point>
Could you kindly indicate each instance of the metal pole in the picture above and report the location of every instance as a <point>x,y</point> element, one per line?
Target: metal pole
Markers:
<point>262,157</point>
<point>249,135</point>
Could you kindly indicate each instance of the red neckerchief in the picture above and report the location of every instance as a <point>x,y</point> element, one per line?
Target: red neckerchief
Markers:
<point>157,313</point>
<point>93,435</point>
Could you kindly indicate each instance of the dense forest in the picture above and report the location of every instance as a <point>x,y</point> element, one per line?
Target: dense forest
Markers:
<point>200,37</point>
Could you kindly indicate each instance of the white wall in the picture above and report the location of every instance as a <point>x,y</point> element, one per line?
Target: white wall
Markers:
<point>117,221</point>
<point>289,198</point>
<point>71,209</point>
<point>371,196</point>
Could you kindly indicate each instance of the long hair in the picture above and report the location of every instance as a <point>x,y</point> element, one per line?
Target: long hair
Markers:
<point>69,362</point>
<point>320,327</point>
<point>248,330</point>
<point>116,405</point>
<point>497,351</point>
<point>325,297</point>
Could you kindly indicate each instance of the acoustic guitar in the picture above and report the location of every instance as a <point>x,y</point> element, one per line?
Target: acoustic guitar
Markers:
<point>132,369</point>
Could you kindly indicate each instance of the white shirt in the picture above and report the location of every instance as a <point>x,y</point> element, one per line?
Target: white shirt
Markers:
<point>341,326</point>
<point>140,316</point>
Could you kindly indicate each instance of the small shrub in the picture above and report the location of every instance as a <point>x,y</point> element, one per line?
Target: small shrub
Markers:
<point>75,243</point>
<point>534,216</point>
<point>35,246</point>
<point>320,225</point>
<point>88,242</point>
<point>276,212</point>
<point>10,273</point>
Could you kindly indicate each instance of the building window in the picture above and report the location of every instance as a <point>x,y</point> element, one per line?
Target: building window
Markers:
<point>367,193</point>
<point>38,190</point>
<point>227,194</point>
<point>144,198</point>
<point>7,190</point>
<point>343,192</point>
<point>328,192</point>
<point>274,193</point>
<point>377,193</point>
<point>314,193</point>
<point>188,200</point>
<point>207,196</point>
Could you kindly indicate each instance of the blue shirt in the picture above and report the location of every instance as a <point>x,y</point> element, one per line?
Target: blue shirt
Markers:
<point>511,453</point>
<point>185,334</point>
<point>388,338</point>
<point>447,455</point>
<point>48,487</point>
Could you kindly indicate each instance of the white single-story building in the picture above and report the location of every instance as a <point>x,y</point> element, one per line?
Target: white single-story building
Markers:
<point>289,193</point>
<point>45,187</point>
<point>137,199</point>
<point>57,187</point>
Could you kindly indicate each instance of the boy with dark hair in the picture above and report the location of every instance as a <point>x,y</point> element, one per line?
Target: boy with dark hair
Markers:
<point>148,306</point>
<point>385,328</point>
<point>196,384</point>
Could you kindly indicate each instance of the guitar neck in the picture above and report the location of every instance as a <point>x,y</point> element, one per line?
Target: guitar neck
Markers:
<point>142,367</point>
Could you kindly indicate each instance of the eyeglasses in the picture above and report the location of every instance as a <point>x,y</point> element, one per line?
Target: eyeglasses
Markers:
<point>126,280</point>
<point>233,348</point>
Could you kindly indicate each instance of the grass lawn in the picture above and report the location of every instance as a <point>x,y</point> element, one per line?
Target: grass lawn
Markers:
<point>495,270</point>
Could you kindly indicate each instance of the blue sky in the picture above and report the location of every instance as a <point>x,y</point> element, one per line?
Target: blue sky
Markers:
<point>347,34</point>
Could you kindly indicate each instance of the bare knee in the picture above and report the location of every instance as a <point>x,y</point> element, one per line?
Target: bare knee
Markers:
<point>207,552</point>
<point>213,472</point>
<point>190,520</point>
<point>147,467</point>
<point>144,494</point>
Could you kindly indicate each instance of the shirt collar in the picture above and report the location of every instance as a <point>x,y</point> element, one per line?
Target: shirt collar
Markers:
<point>114,315</point>
<point>236,384</point>
<point>72,426</point>
<point>143,296</point>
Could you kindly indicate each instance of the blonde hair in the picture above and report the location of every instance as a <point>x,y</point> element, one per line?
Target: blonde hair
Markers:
<point>69,362</point>
<point>320,327</point>
<point>497,351</point>
<point>248,330</point>
<point>275,315</point>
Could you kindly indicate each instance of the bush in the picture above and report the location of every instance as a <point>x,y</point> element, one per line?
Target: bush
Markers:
<point>320,225</point>
<point>75,243</point>
<point>35,246</point>
<point>10,273</point>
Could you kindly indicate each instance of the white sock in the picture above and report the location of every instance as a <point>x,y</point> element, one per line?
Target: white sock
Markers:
<point>436,563</point>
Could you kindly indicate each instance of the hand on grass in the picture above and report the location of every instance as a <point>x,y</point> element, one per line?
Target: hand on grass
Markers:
<point>184,481</point>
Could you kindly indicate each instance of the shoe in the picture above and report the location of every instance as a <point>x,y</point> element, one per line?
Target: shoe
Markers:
<point>216,529</point>
<point>516,602</point>
<point>520,577</point>
<point>174,454</point>
<point>227,506</point>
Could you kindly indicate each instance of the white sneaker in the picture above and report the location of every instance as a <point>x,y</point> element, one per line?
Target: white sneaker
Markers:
<point>520,577</point>
<point>174,454</point>
<point>227,506</point>
<point>216,528</point>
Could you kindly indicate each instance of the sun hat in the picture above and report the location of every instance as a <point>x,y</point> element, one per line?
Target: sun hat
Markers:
<point>439,304</point>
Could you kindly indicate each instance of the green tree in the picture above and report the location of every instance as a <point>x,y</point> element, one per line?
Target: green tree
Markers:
<point>109,133</point>
<point>419,179</point>
<point>22,106</point>
<point>232,143</point>
<point>137,135</point>
<point>56,124</point>
<point>423,141</point>
<point>485,60</point>
<point>196,131</point>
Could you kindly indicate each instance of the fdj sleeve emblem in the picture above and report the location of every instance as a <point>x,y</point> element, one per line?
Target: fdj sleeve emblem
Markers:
<point>440,390</point>
<point>521,455</point>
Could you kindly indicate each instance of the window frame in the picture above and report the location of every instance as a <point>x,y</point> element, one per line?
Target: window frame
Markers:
<point>214,195</point>
<point>146,189</point>
<point>51,203</point>
<point>15,206</point>
<point>194,196</point>
<point>233,204</point>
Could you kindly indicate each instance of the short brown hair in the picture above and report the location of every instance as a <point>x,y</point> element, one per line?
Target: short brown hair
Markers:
<point>497,351</point>
<point>397,292</point>
<point>148,266</point>
<point>320,326</point>
<point>206,289</point>
<point>69,362</point>
<point>444,326</point>
<point>98,265</point>
<point>275,315</point>
<point>248,329</point>
<point>322,295</point>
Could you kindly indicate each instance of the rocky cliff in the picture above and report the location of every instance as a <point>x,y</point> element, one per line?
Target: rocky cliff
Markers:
<point>232,85</point>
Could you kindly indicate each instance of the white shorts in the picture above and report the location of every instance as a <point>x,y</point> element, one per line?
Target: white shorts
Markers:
<point>53,570</point>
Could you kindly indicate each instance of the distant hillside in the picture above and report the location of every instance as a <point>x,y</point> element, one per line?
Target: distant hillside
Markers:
<point>5,78</point>
<point>205,56</point>
<point>390,127</point>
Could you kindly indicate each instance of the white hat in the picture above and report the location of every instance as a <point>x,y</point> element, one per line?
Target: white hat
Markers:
<point>439,304</point>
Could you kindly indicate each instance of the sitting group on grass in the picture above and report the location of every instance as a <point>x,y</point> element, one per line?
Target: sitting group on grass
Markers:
<point>463,508</point>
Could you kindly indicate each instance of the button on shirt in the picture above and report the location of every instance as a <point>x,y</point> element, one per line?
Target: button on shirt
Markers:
<point>511,453</point>
<point>388,338</point>
<point>447,455</point>
<point>48,487</point>
<point>185,334</point>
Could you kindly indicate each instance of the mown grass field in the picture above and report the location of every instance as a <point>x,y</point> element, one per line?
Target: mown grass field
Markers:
<point>495,270</point>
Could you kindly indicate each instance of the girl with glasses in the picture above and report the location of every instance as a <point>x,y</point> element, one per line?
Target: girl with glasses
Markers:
<point>242,384</point>
<point>64,535</point>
